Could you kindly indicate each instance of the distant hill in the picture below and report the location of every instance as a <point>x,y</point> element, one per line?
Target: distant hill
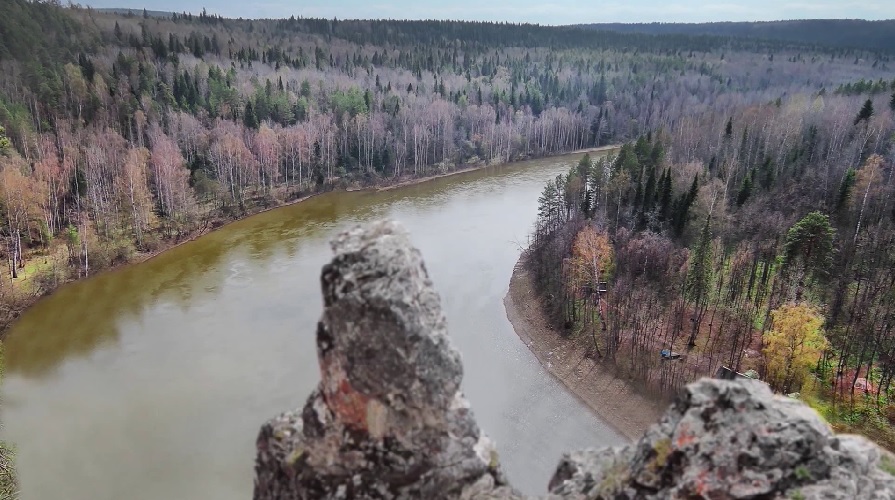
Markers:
<point>851,33</point>
<point>137,12</point>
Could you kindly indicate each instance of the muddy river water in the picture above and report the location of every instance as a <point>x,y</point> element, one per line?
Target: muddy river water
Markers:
<point>151,381</point>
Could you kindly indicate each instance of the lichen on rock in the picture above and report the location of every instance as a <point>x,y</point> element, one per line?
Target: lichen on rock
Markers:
<point>731,440</point>
<point>388,419</point>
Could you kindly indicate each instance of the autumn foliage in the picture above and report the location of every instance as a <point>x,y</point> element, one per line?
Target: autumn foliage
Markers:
<point>793,346</point>
<point>592,257</point>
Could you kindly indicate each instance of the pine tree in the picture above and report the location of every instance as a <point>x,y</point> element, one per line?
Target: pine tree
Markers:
<point>682,207</point>
<point>649,194</point>
<point>892,102</point>
<point>810,243</point>
<point>845,188</point>
<point>665,195</point>
<point>249,119</point>
<point>699,276</point>
<point>866,112</point>
<point>694,190</point>
<point>745,191</point>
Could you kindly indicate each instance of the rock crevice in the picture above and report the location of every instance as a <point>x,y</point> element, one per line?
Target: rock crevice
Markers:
<point>388,419</point>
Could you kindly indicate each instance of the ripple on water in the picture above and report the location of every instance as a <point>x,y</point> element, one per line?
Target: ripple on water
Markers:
<point>238,275</point>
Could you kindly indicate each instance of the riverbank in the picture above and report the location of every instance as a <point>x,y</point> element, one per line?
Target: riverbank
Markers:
<point>612,399</point>
<point>470,168</point>
<point>25,290</point>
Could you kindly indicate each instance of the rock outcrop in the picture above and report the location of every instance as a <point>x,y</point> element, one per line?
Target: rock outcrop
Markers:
<point>731,440</point>
<point>388,419</point>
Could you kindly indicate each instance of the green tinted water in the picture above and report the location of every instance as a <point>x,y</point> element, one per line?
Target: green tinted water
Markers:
<point>151,382</point>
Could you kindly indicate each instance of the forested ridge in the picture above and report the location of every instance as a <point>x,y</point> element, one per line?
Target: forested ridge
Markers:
<point>760,239</point>
<point>122,133</point>
<point>879,35</point>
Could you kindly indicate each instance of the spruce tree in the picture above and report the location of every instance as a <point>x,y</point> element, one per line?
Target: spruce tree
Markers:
<point>665,195</point>
<point>866,112</point>
<point>699,274</point>
<point>649,194</point>
<point>745,191</point>
<point>249,119</point>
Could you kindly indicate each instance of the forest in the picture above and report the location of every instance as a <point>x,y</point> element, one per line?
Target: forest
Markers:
<point>755,183</point>
<point>846,33</point>
<point>758,240</point>
<point>124,133</point>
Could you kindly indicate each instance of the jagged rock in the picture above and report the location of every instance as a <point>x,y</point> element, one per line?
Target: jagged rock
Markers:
<point>730,440</point>
<point>388,419</point>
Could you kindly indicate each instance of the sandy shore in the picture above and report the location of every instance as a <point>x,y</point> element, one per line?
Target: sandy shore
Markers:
<point>612,399</point>
<point>600,149</point>
<point>418,180</point>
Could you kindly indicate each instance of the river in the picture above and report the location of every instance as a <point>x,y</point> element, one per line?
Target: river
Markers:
<point>151,381</point>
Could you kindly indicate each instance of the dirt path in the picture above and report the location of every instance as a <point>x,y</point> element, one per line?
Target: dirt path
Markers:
<point>612,399</point>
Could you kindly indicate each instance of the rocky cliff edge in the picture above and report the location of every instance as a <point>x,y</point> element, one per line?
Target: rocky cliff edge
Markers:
<point>388,419</point>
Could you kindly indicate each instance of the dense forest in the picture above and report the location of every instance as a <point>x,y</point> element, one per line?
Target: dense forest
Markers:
<point>758,239</point>
<point>757,174</point>
<point>846,33</point>
<point>123,132</point>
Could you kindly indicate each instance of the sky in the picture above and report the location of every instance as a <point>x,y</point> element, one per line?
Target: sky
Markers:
<point>532,11</point>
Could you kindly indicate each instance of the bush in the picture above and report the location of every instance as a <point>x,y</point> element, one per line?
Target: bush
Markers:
<point>108,254</point>
<point>152,243</point>
<point>48,279</point>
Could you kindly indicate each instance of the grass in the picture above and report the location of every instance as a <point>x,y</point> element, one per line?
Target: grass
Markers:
<point>887,464</point>
<point>861,417</point>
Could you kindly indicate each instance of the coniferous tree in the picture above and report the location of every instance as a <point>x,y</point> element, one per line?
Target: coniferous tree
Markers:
<point>249,118</point>
<point>845,188</point>
<point>699,277</point>
<point>665,195</point>
<point>809,243</point>
<point>745,191</point>
<point>866,112</point>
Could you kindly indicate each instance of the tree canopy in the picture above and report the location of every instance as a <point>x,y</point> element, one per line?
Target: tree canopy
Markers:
<point>793,346</point>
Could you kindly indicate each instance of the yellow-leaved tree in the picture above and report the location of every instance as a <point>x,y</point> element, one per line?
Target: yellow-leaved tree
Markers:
<point>592,257</point>
<point>793,346</point>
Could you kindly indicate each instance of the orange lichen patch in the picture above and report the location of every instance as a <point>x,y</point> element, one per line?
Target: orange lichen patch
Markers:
<point>701,485</point>
<point>684,437</point>
<point>349,405</point>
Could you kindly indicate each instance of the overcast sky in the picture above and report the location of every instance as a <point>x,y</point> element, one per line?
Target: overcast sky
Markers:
<point>534,11</point>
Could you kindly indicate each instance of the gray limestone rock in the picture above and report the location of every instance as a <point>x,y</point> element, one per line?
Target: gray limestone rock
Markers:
<point>387,420</point>
<point>730,440</point>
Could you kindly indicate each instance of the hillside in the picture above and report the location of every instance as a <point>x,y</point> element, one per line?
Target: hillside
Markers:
<point>131,132</point>
<point>842,33</point>
<point>122,134</point>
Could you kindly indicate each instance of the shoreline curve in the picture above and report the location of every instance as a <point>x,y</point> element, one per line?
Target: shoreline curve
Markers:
<point>29,300</point>
<point>612,399</point>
